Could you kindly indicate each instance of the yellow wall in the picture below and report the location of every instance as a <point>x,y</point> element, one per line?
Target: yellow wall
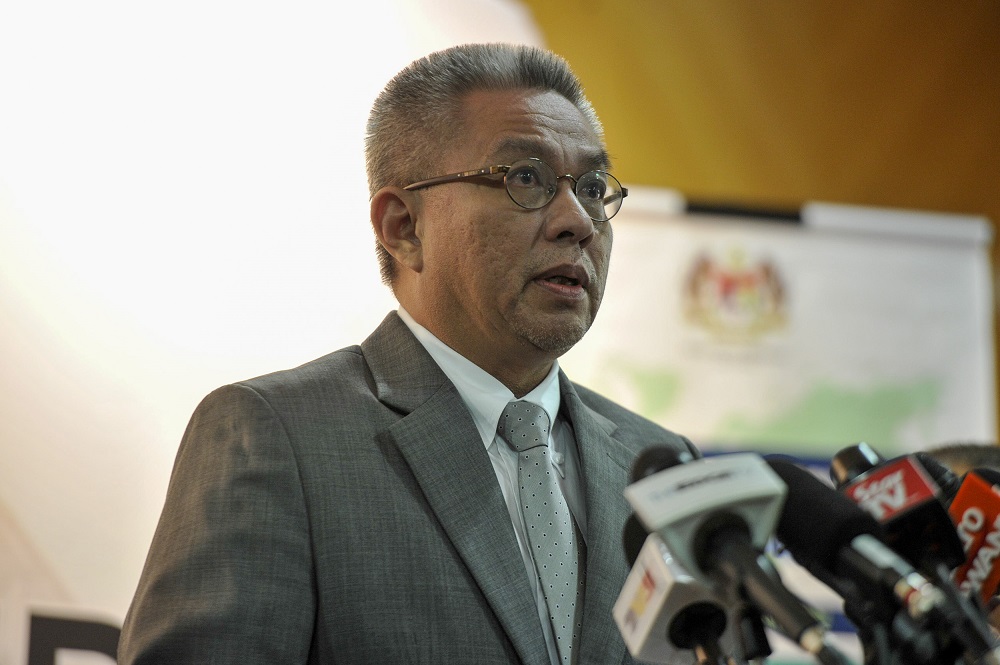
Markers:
<point>775,102</point>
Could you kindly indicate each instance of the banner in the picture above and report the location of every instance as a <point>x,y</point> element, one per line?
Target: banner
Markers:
<point>801,335</point>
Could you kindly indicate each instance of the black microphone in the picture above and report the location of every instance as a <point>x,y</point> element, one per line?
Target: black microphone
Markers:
<point>716,515</point>
<point>853,461</point>
<point>654,459</point>
<point>943,477</point>
<point>904,497</point>
<point>650,461</point>
<point>834,539</point>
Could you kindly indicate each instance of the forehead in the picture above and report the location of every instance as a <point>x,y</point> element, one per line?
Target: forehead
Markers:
<point>504,125</point>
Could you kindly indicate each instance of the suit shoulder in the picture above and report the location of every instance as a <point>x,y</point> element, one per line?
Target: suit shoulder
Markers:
<point>610,409</point>
<point>328,379</point>
<point>338,365</point>
<point>631,425</point>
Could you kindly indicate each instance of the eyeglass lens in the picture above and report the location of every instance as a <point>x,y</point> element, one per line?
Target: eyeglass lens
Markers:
<point>531,183</point>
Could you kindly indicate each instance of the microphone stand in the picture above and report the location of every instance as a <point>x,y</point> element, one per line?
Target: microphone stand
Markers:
<point>752,635</point>
<point>699,628</point>
<point>967,621</point>
<point>888,634</point>
<point>710,654</point>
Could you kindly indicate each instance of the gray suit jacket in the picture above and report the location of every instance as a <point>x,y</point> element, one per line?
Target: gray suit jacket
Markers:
<point>346,512</point>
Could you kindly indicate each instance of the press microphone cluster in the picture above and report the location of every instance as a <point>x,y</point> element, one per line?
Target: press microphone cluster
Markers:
<point>906,500</point>
<point>708,523</point>
<point>902,616</point>
<point>887,544</point>
<point>912,499</point>
<point>948,526</point>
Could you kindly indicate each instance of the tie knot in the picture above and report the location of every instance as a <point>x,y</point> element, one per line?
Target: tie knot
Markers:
<point>524,425</point>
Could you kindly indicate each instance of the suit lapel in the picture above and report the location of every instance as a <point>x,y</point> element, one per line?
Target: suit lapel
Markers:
<point>442,446</point>
<point>605,462</point>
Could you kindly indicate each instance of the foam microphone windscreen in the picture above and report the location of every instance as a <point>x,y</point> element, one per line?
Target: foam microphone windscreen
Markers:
<point>817,521</point>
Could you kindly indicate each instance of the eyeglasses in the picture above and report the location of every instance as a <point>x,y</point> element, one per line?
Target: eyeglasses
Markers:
<point>531,184</point>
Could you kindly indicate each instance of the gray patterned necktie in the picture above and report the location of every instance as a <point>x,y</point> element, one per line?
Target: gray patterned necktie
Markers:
<point>551,535</point>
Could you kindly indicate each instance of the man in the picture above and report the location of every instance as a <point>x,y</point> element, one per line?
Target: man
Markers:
<point>364,507</point>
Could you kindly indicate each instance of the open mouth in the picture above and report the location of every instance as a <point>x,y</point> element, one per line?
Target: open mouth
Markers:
<point>565,276</point>
<point>562,280</point>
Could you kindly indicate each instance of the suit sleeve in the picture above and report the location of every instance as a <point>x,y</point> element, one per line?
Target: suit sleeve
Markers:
<point>229,575</point>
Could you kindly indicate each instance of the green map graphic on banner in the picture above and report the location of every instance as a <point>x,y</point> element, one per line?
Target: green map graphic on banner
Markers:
<point>826,417</point>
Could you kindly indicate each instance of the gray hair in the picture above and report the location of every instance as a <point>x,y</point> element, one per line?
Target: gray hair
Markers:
<point>415,117</point>
<point>971,454</point>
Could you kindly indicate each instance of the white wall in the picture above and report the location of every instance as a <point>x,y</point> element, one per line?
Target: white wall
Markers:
<point>182,204</point>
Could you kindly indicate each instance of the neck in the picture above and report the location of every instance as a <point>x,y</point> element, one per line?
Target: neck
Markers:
<point>520,369</point>
<point>517,370</point>
<point>521,386</point>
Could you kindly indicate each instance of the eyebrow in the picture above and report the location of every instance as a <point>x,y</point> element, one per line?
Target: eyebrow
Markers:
<point>516,147</point>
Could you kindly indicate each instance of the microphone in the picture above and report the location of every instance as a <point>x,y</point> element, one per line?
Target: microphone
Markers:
<point>839,542</point>
<point>943,477</point>
<point>663,611</point>
<point>975,510</point>
<point>904,498</point>
<point>851,462</point>
<point>834,539</point>
<point>715,516</point>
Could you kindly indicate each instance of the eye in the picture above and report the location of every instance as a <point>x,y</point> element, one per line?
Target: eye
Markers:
<point>524,176</point>
<point>592,188</point>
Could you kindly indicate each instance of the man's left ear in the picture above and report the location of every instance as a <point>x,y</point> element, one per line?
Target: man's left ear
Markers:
<point>394,217</point>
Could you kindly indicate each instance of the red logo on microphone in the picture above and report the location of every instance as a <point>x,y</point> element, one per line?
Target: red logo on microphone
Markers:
<point>892,489</point>
<point>976,512</point>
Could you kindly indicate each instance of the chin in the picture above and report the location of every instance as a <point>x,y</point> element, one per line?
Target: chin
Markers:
<point>556,340</point>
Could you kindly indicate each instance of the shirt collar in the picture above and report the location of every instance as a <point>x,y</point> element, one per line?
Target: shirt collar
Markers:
<point>482,393</point>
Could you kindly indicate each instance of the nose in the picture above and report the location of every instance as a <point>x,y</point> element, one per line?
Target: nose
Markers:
<point>567,220</point>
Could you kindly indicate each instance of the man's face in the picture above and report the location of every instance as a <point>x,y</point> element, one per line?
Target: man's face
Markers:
<point>502,284</point>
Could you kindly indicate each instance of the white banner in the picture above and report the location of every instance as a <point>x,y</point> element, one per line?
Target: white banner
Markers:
<point>853,324</point>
